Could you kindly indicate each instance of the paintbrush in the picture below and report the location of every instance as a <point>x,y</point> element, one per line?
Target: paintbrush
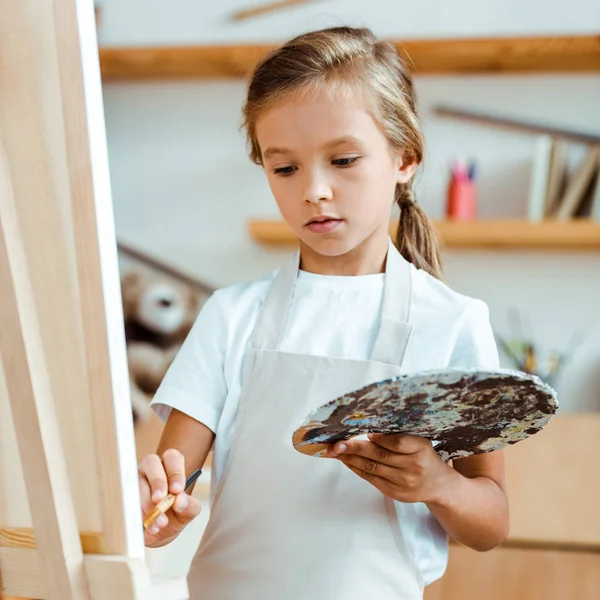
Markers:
<point>165,504</point>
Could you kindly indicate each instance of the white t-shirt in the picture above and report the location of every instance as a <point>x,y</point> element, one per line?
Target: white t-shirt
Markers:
<point>329,316</point>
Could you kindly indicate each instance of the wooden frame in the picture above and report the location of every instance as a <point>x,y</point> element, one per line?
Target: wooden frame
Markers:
<point>70,514</point>
<point>580,235</point>
<point>557,54</point>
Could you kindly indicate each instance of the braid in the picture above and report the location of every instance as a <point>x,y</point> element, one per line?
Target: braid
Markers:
<point>416,238</point>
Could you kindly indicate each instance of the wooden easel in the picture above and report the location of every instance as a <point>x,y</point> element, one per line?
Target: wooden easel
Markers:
<point>70,517</point>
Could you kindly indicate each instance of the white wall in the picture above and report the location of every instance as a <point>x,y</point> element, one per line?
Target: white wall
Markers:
<point>184,188</point>
<point>192,21</point>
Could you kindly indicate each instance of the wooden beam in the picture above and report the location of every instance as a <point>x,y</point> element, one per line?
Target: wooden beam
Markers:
<point>584,137</point>
<point>98,277</point>
<point>189,62</point>
<point>34,415</point>
<point>164,267</point>
<point>24,537</point>
<point>558,54</point>
<point>566,54</point>
<point>580,235</point>
<point>32,132</point>
<point>108,577</point>
<point>111,577</point>
<point>21,573</point>
<point>267,8</point>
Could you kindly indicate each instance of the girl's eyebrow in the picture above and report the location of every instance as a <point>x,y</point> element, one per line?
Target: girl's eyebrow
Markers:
<point>347,139</point>
<point>270,152</point>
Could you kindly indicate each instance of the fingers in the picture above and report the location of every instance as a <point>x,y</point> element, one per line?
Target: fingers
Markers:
<point>168,526</point>
<point>369,469</point>
<point>382,484</point>
<point>157,477</point>
<point>396,451</point>
<point>166,475</point>
<point>145,495</point>
<point>174,466</point>
<point>383,447</point>
<point>152,471</point>
<point>186,508</point>
<point>159,523</point>
<point>368,450</point>
<point>400,443</point>
<point>397,465</point>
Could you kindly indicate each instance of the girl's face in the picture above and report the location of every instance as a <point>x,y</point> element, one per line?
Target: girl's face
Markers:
<point>331,170</point>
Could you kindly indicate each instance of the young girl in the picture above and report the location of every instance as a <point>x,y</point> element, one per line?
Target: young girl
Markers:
<point>331,117</point>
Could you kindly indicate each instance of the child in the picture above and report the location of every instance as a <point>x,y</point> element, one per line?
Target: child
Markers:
<point>331,118</point>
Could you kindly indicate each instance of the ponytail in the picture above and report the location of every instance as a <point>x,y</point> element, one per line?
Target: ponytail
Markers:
<point>416,238</point>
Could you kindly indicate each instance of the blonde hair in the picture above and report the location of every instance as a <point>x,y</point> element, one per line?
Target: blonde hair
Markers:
<point>346,57</point>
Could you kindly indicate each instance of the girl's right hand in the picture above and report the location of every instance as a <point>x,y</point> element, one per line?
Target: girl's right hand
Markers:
<point>158,478</point>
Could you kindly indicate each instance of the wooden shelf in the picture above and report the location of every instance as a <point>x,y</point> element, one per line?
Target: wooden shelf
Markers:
<point>580,235</point>
<point>567,54</point>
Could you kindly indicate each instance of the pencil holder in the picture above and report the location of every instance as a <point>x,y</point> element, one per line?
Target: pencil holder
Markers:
<point>462,200</point>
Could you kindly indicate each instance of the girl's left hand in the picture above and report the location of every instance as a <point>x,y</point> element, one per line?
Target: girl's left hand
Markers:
<point>403,467</point>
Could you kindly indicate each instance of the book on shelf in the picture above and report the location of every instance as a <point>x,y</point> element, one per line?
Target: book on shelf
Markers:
<point>576,199</point>
<point>540,177</point>
<point>555,194</point>
<point>595,202</point>
<point>557,176</point>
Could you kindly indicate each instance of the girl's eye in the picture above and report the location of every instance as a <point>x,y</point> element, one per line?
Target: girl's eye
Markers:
<point>284,170</point>
<point>345,162</point>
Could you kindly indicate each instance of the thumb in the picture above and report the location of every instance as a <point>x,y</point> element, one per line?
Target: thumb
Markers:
<point>185,509</point>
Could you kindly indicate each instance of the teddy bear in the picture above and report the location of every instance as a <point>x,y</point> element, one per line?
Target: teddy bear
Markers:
<point>158,314</point>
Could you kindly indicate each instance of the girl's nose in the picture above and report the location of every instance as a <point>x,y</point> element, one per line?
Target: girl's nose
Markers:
<point>317,190</point>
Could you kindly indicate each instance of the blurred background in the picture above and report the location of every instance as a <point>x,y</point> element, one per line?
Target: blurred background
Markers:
<point>509,96</point>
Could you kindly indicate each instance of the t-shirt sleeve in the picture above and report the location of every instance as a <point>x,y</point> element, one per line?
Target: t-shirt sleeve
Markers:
<point>195,382</point>
<point>475,346</point>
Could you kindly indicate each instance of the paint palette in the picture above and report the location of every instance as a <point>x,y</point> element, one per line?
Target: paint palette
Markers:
<point>463,412</point>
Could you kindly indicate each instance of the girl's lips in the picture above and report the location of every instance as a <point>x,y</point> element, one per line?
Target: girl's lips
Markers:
<point>324,226</point>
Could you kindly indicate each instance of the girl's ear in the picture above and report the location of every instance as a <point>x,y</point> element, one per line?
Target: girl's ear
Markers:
<point>407,165</point>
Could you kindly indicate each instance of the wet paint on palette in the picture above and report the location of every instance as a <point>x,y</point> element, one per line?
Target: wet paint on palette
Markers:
<point>465,412</point>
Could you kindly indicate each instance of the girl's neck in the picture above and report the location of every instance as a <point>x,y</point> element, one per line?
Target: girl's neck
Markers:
<point>365,259</point>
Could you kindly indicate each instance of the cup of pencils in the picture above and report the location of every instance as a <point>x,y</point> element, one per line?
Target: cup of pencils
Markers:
<point>461,202</point>
<point>526,355</point>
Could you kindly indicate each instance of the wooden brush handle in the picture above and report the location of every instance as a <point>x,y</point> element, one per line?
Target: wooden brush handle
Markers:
<point>165,504</point>
<point>160,509</point>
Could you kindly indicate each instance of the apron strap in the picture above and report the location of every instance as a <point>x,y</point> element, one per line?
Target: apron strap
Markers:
<point>273,316</point>
<point>394,332</point>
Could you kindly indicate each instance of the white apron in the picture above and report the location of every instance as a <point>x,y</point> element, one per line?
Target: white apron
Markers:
<point>285,526</point>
